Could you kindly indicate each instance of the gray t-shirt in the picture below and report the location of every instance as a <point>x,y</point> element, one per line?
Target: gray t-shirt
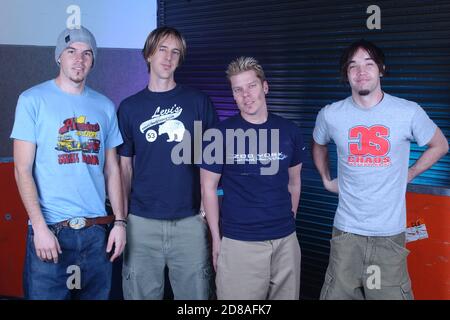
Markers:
<point>373,158</point>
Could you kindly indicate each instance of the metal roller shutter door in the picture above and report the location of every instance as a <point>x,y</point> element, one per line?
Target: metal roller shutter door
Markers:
<point>299,44</point>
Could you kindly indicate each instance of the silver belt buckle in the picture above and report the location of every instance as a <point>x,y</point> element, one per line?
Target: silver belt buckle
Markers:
<point>77,223</point>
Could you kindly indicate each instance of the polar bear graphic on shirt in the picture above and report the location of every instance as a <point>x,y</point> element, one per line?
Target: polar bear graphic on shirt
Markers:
<point>174,129</point>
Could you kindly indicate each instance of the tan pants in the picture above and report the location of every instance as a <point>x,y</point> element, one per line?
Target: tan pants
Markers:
<point>259,270</point>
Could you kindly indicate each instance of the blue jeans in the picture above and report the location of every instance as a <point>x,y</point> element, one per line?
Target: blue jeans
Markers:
<point>83,256</point>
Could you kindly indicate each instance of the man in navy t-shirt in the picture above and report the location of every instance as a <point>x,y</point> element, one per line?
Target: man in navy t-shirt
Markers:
<point>162,194</point>
<point>255,251</point>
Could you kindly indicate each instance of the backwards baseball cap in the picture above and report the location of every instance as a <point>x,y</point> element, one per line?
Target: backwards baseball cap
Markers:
<point>69,36</point>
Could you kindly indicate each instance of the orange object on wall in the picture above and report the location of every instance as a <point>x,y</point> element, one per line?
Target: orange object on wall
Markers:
<point>429,260</point>
<point>13,229</point>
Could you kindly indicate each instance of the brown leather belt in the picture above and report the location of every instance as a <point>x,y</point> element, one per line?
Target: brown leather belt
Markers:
<point>81,222</point>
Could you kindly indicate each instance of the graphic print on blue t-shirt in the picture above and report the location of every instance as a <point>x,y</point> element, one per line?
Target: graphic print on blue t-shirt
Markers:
<point>78,136</point>
<point>258,157</point>
<point>165,118</point>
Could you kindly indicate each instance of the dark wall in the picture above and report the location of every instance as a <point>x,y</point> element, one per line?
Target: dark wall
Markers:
<point>117,74</point>
<point>299,44</point>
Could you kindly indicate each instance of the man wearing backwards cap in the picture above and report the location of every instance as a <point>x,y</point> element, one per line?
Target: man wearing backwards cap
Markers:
<point>65,136</point>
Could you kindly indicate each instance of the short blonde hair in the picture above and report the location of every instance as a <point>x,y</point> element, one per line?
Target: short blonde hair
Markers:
<point>243,64</point>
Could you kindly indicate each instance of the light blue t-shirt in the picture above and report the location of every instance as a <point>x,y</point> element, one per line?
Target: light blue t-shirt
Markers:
<point>72,134</point>
<point>373,148</point>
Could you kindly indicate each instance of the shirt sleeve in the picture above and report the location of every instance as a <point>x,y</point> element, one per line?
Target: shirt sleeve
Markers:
<point>114,137</point>
<point>213,152</point>
<point>126,149</point>
<point>422,127</point>
<point>210,118</point>
<point>321,133</point>
<point>299,154</point>
<point>25,120</point>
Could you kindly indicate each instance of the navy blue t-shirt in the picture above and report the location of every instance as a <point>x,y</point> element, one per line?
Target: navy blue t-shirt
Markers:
<point>257,206</point>
<point>152,123</point>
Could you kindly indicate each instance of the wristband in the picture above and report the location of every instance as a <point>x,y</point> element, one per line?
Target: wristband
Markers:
<point>122,223</point>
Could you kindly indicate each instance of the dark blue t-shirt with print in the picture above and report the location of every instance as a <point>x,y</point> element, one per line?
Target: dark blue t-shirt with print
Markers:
<point>256,204</point>
<point>152,124</point>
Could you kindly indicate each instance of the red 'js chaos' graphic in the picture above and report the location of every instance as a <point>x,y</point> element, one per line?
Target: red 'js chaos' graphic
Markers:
<point>369,146</point>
